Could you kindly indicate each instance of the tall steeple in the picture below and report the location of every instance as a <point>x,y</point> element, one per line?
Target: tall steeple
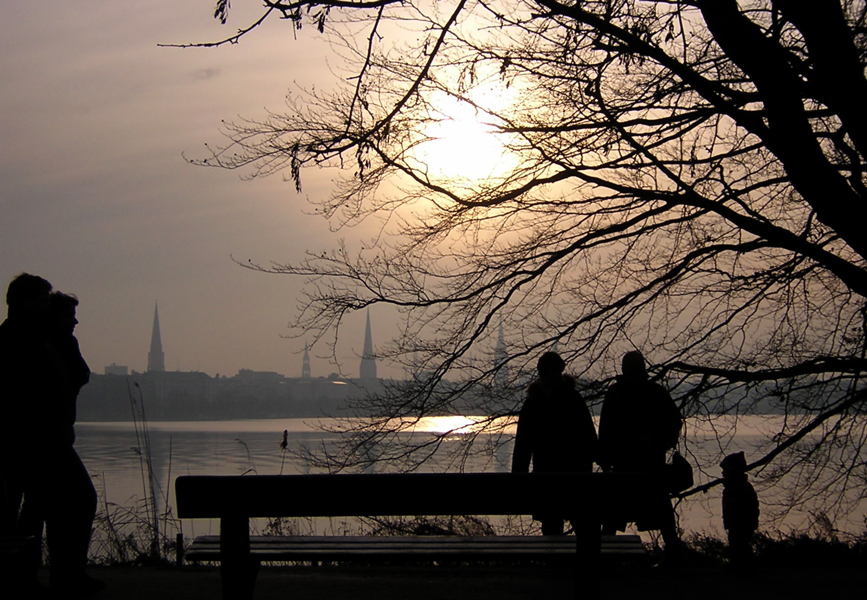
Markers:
<point>156,358</point>
<point>305,365</point>
<point>368,362</point>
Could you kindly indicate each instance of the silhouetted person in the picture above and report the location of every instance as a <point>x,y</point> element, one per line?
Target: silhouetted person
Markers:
<point>24,391</point>
<point>74,370</point>
<point>56,487</point>
<point>555,431</point>
<point>64,496</point>
<point>23,356</point>
<point>638,425</point>
<point>740,509</point>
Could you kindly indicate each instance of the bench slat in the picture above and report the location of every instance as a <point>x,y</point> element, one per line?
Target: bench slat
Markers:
<point>330,547</point>
<point>594,494</point>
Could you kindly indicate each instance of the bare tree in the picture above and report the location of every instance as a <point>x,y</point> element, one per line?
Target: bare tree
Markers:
<point>685,177</point>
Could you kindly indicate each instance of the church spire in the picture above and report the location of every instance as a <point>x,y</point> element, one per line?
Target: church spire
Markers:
<point>156,358</point>
<point>305,365</point>
<point>368,361</point>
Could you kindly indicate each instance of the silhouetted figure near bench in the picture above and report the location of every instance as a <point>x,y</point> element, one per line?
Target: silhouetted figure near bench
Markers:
<point>555,431</point>
<point>740,510</point>
<point>638,425</point>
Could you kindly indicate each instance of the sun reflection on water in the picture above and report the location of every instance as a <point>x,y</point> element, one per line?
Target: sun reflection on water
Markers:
<point>460,425</point>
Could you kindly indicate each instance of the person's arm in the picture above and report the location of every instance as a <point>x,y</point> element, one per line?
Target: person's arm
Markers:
<point>80,372</point>
<point>603,458</point>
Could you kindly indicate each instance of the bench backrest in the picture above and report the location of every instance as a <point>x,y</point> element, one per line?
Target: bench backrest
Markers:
<point>407,494</point>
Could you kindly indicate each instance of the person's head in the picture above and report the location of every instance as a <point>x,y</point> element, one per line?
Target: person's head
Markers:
<point>734,466</point>
<point>633,366</point>
<point>62,312</point>
<point>27,297</point>
<point>550,365</point>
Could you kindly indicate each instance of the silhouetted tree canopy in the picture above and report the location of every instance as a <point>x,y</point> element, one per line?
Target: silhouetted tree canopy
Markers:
<point>683,177</point>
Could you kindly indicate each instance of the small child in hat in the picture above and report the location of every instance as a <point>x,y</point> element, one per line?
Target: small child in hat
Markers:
<point>740,509</point>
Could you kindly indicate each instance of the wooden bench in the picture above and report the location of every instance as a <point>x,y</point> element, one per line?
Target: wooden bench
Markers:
<point>591,497</point>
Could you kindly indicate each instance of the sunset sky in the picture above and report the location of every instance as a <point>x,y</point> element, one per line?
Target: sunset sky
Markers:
<point>96,197</point>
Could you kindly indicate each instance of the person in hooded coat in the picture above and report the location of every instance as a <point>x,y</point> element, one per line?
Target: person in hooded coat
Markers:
<point>740,509</point>
<point>555,430</point>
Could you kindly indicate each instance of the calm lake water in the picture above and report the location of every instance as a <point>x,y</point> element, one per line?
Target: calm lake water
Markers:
<point>113,451</point>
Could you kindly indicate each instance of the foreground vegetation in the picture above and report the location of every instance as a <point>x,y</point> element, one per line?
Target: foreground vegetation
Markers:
<point>124,536</point>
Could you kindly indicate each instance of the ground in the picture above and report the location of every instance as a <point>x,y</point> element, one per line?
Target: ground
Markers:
<point>477,583</point>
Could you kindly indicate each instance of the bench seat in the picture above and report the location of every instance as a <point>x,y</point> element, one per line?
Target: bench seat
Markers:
<point>361,548</point>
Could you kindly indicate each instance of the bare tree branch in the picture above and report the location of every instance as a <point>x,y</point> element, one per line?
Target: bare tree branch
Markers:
<point>682,177</point>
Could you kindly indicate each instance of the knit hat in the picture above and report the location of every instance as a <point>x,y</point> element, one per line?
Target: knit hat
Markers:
<point>735,462</point>
<point>550,364</point>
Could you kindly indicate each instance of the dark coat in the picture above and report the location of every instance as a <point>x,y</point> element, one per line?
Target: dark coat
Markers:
<point>40,377</point>
<point>740,505</point>
<point>73,373</point>
<point>27,383</point>
<point>555,429</point>
<point>638,424</point>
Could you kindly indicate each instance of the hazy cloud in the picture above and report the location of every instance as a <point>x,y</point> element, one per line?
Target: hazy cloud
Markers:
<point>96,197</point>
<point>205,74</point>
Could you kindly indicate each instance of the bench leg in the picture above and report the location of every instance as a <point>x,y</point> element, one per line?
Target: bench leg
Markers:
<point>237,567</point>
<point>588,540</point>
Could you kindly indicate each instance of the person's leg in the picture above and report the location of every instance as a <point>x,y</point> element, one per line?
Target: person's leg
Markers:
<point>31,523</point>
<point>612,524</point>
<point>18,573</point>
<point>668,529</point>
<point>69,519</point>
<point>740,548</point>
<point>588,540</point>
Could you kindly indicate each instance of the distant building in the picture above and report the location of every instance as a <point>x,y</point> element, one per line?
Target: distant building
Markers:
<point>163,395</point>
<point>249,376</point>
<point>113,369</point>
<point>156,358</point>
<point>368,359</point>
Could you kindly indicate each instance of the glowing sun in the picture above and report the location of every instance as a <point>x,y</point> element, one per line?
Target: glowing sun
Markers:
<point>462,144</point>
